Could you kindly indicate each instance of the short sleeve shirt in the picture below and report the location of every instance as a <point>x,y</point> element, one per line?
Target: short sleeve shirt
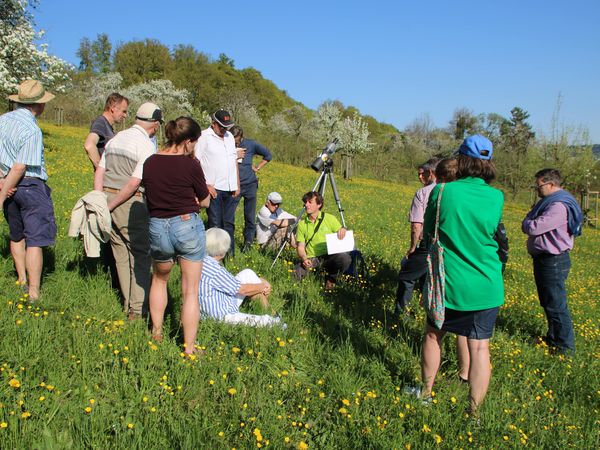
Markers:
<point>419,204</point>
<point>21,142</point>
<point>317,245</point>
<point>125,155</point>
<point>104,130</point>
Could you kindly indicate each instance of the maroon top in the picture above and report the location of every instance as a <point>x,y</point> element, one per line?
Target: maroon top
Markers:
<point>173,183</point>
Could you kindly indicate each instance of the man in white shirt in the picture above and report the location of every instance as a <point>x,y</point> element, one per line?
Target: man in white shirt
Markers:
<point>273,223</point>
<point>119,175</point>
<point>218,156</point>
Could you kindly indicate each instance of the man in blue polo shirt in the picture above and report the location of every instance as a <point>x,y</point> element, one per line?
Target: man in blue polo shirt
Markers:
<point>247,149</point>
<point>29,212</point>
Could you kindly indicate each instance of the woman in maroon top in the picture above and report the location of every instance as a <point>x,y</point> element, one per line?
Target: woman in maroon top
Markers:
<point>175,189</point>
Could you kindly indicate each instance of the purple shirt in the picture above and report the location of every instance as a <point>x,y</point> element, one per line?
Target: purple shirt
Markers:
<point>548,232</point>
<point>419,204</point>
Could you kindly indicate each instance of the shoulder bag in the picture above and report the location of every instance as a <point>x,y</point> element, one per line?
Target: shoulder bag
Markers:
<point>434,290</point>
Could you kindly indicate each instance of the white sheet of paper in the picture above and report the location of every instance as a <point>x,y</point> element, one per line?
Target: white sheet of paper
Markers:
<point>335,245</point>
<point>285,215</point>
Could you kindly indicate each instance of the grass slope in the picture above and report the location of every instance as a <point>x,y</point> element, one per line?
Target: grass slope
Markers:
<point>75,374</point>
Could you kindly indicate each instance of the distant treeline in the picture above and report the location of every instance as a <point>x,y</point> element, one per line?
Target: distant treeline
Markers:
<point>183,80</point>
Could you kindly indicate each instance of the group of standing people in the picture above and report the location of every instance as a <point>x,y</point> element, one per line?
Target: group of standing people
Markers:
<point>153,200</point>
<point>458,199</point>
<point>154,197</point>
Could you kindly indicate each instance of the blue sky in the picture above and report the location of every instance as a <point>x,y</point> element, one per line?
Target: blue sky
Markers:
<point>394,60</point>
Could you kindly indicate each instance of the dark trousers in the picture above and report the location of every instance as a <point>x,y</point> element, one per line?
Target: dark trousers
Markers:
<point>221,214</point>
<point>248,192</point>
<point>334,265</point>
<point>412,271</point>
<point>551,272</point>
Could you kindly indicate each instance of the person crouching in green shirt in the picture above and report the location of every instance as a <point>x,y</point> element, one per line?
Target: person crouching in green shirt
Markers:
<point>312,246</point>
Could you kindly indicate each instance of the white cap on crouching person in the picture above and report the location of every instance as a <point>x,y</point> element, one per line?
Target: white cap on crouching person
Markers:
<point>149,112</point>
<point>275,198</point>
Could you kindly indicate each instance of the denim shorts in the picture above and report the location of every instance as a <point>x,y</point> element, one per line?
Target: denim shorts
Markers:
<point>472,324</point>
<point>180,236</point>
<point>30,214</point>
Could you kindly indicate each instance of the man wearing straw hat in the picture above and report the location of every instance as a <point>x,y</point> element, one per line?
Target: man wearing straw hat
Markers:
<point>29,212</point>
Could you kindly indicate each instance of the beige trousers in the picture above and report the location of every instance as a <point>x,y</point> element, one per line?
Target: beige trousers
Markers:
<point>130,244</point>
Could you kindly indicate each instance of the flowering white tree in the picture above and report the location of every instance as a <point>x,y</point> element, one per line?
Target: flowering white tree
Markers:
<point>172,101</point>
<point>353,134</point>
<point>20,57</point>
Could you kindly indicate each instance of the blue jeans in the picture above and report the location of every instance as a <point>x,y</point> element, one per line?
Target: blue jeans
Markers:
<point>181,236</point>
<point>551,272</point>
<point>221,214</point>
<point>248,192</point>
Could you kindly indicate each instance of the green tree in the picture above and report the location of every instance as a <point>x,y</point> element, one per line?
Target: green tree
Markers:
<point>101,50</point>
<point>463,123</point>
<point>85,55</point>
<point>515,162</point>
<point>142,61</point>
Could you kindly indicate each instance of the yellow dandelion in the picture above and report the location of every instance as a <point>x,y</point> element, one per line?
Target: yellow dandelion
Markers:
<point>302,445</point>
<point>130,426</point>
<point>14,383</point>
<point>437,438</point>
<point>231,391</point>
<point>26,415</point>
<point>426,429</point>
<point>88,409</point>
<point>346,402</point>
<point>3,425</point>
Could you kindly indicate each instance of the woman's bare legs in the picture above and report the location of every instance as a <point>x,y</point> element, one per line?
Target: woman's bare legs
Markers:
<point>462,354</point>
<point>480,371</point>
<point>191,272</point>
<point>430,358</point>
<point>158,296</point>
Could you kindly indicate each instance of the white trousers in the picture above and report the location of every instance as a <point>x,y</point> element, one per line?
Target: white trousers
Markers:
<point>248,276</point>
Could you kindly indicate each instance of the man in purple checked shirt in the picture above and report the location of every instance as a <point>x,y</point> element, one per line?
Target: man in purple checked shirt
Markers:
<point>551,225</point>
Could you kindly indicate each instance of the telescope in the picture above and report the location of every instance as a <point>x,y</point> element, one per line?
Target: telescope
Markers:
<point>325,155</point>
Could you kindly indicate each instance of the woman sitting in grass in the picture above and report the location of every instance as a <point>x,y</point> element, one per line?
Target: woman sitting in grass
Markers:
<point>221,294</point>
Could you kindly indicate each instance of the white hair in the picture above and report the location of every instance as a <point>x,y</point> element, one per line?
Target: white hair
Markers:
<point>217,242</point>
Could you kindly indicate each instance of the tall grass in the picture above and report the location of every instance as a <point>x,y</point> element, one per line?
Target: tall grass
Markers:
<point>75,373</point>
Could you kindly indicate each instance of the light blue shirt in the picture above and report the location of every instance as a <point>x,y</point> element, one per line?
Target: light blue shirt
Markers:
<point>218,289</point>
<point>21,142</point>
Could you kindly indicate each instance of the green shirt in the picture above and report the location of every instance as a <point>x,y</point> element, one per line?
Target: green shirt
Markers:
<point>306,232</point>
<point>469,215</point>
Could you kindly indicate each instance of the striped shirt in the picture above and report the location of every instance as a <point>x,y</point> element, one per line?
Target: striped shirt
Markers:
<point>218,289</point>
<point>124,156</point>
<point>21,142</point>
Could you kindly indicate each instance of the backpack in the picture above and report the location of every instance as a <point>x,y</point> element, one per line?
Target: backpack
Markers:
<point>358,267</point>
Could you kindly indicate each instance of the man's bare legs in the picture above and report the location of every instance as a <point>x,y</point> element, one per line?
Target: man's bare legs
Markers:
<point>28,263</point>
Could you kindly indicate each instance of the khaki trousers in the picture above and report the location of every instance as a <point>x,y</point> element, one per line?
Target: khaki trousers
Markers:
<point>131,248</point>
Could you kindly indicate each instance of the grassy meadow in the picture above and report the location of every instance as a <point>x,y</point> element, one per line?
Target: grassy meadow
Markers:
<point>75,373</point>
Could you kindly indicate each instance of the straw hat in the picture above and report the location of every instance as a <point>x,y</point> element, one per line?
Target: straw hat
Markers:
<point>31,91</point>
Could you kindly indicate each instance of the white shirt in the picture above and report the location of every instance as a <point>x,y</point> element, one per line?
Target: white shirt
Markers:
<point>124,156</point>
<point>219,160</point>
<point>264,221</point>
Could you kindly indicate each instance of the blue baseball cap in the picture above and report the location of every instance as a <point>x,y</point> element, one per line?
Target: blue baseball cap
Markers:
<point>477,146</point>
